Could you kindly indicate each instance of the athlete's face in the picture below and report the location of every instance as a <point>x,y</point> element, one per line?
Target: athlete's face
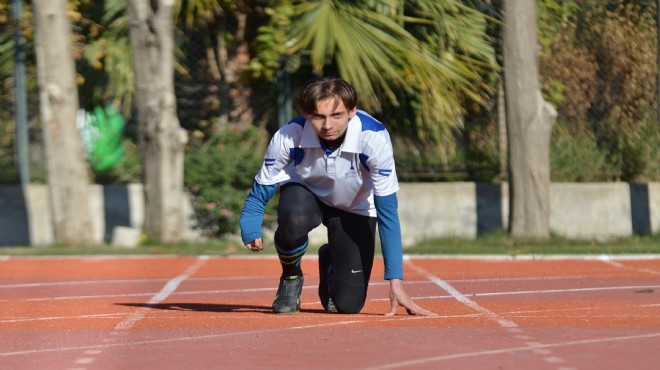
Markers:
<point>331,118</point>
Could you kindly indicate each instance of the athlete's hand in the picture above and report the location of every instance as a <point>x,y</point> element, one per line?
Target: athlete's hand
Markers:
<point>257,245</point>
<point>399,297</point>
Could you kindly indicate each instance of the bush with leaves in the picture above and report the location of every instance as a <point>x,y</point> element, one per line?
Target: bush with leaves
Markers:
<point>599,68</point>
<point>576,157</point>
<point>219,172</point>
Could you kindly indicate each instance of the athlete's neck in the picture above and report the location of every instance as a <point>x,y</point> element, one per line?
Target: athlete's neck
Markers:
<point>333,144</point>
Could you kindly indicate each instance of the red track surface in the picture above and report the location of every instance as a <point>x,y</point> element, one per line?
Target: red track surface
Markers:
<point>214,313</point>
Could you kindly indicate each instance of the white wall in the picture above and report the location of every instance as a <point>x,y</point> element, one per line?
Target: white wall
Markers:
<point>427,210</point>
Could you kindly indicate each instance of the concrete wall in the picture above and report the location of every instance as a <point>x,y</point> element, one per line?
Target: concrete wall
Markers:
<point>25,217</point>
<point>427,210</point>
<point>577,210</point>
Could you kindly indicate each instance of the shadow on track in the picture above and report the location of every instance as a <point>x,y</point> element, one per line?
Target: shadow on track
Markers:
<point>209,307</point>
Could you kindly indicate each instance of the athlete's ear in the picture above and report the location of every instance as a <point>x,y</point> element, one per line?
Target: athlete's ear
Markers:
<point>351,114</point>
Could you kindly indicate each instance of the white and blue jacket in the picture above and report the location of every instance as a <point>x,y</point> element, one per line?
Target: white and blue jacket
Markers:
<point>359,177</point>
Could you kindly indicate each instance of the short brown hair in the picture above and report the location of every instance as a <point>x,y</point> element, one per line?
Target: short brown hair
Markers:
<point>324,88</point>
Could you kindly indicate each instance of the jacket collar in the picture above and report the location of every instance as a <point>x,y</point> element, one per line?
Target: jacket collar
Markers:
<point>351,143</point>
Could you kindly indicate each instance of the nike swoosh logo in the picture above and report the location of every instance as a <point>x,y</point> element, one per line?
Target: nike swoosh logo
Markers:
<point>355,271</point>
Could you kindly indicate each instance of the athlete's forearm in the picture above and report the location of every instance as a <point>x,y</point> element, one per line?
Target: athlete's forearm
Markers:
<point>252,215</point>
<point>389,230</point>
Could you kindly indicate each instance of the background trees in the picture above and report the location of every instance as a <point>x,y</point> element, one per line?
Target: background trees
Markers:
<point>67,169</point>
<point>428,69</point>
<point>529,124</point>
<point>160,137</point>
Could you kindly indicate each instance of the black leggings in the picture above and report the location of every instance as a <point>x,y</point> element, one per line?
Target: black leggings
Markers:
<point>351,239</point>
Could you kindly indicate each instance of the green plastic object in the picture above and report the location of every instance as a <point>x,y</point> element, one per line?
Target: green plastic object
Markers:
<point>106,146</point>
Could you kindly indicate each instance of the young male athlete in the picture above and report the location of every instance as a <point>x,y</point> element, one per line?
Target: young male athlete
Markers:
<point>334,165</point>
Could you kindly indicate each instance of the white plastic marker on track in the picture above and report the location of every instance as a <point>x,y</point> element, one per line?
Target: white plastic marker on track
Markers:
<point>465,300</point>
<point>168,289</point>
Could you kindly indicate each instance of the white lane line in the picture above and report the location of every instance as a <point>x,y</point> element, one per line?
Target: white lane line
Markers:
<point>187,338</point>
<point>548,291</point>
<point>426,361</point>
<point>252,290</point>
<point>624,267</point>
<point>489,280</point>
<point>243,315</point>
<point>138,314</point>
<point>228,278</point>
<point>168,289</point>
<point>148,294</point>
<point>122,281</point>
<point>97,316</point>
<point>238,278</point>
<point>465,300</point>
<point>590,308</point>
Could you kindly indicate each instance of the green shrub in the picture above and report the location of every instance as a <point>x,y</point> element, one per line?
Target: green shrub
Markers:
<point>576,157</point>
<point>8,165</point>
<point>638,152</point>
<point>419,162</point>
<point>219,172</point>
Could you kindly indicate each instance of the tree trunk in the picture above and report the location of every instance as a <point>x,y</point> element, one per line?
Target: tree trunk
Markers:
<point>501,126</point>
<point>233,59</point>
<point>68,172</point>
<point>657,56</point>
<point>161,137</point>
<point>529,120</point>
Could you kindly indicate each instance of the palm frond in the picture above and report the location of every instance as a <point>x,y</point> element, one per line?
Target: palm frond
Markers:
<point>383,60</point>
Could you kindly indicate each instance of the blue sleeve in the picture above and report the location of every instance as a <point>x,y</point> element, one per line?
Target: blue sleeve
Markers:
<point>389,230</point>
<point>252,215</point>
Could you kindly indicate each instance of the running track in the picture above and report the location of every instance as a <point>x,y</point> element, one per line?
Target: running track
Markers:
<point>214,313</point>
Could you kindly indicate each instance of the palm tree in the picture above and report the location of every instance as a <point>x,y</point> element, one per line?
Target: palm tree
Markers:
<point>434,52</point>
<point>429,54</point>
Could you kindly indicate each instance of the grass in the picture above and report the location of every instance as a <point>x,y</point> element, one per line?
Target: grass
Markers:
<point>504,244</point>
<point>497,244</point>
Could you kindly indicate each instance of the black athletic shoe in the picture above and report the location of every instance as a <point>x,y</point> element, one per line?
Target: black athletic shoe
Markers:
<point>325,274</point>
<point>287,299</point>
